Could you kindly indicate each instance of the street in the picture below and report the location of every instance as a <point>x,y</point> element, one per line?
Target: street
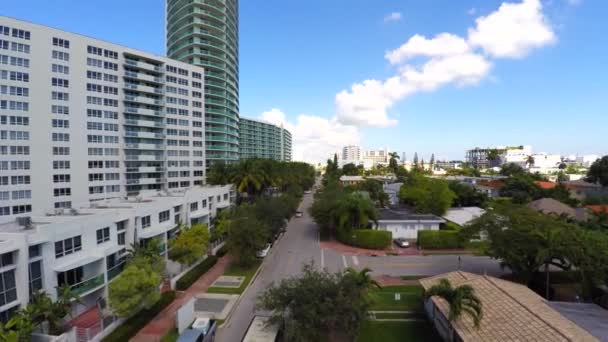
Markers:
<point>300,244</point>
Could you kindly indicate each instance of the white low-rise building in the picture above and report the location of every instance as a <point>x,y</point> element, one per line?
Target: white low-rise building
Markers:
<point>403,224</point>
<point>84,248</point>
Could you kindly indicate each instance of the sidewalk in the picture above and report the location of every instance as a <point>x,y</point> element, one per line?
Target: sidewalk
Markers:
<point>351,250</point>
<point>165,320</point>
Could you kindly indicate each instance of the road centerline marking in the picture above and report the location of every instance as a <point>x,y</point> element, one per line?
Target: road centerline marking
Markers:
<point>344,261</point>
<point>355,260</point>
<point>322,258</point>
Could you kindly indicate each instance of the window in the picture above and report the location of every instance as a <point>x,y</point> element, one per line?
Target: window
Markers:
<point>35,276</point>
<point>60,69</point>
<point>60,55</point>
<point>64,43</point>
<point>121,239</point>
<point>103,235</point>
<point>60,109</point>
<point>95,190</point>
<point>94,50</point>
<point>63,205</point>
<point>61,151</point>
<point>145,222</point>
<point>121,225</point>
<point>194,206</point>
<point>34,251</point>
<point>163,216</point>
<point>62,192</point>
<point>61,164</point>
<point>8,287</point>
<point>68,246</point>
<point>21,34</point>
<point>22,209</point>
<point>204,203</point>
<point>21,194</point>
<point>59,96</point>
<point>65,137</point>
<point>61,123</point>
<point>20,180</point>
<point>6,259</point>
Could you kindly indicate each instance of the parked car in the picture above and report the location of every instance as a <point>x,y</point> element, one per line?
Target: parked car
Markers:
<point>264,252</point>
<point>307,192</point>
<point>299,213</point>
<point>401,242</point>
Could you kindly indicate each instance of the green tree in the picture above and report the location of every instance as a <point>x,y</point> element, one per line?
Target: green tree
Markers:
<point>432,162</point>
<point>247,235</point>
<point>467,195</point>
<point>530,161</point>
<point>521,188</point>
<point>392,163</point>
<point>350,169</point>
<point>190,245</point>
<point>355,211</point>
<point>219,174</point>
<point>248,177</point>
<point>17,329</point>
<point>493,156</point>
<point>316,305</point>
<point>598,172</point>
<point>461,299</point>
<point>415,159</point>
<point>590,256</point>
<point>361,279</point>
<point>374,189</point>
<point>137,287</point>
<point>221,226</point>
<point>147,251</point>
<point>427,195</point>
<point>44,309</point>
<point>512,169</point>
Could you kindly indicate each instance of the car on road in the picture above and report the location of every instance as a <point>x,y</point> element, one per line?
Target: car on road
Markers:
<point>299,213</point>
<point>264,252</point>
<point>307,192</point>
<point>401,242</point>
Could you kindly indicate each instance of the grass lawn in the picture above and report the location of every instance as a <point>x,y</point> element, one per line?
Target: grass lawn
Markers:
<point>374,331</point>
<point>384,298</point>
<point>171,336</point>
<point>234,270</point>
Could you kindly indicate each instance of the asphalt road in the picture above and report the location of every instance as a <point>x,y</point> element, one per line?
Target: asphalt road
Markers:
<point>300,245</point>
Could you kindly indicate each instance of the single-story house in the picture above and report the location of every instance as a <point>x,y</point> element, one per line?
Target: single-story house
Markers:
<point>464,215</point>
<point>555,207</point>
<point>581,189</point>
<point>491,188</point>
<point>546,185</point>
<point>403,224</point>
<point>511,312</point>
<point>351,180</point>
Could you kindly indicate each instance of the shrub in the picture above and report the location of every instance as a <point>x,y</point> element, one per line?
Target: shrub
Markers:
<point>439,239</point>
<point>222,251</point>
<point>367,238</point>
<point>450,226</point>
<point>189,278</point>
<point>136,322</point>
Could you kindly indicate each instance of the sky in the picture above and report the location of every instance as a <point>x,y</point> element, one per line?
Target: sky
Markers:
<point>434,76</point>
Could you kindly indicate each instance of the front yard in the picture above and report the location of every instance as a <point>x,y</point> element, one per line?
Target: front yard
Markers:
<point>234,270</point>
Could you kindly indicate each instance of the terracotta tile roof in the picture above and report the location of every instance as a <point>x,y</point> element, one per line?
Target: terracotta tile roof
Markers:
<point>599,208</point>
<point>546,185</point>
<point>496,184</point>
<point>511,312</point>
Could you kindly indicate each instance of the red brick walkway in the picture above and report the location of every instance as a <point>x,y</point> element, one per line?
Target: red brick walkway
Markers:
<point>165,320</point>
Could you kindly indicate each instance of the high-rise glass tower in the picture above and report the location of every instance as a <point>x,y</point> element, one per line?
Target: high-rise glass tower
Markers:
<point>206,33</point>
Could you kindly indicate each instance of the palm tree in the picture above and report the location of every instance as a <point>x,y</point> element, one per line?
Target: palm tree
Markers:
<point>460,299</point>
<point>392,162</point>
<point>530,161</point>
<point>18,328</point>
<point>355,211</point>
<point>44,309</point>
<point>248,177</point>
<point>361,279</point>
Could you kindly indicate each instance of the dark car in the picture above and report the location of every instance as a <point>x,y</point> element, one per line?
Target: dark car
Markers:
<point>401,242</point>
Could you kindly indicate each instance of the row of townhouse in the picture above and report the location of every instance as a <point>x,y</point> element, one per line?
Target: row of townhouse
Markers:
<point>84,248</point>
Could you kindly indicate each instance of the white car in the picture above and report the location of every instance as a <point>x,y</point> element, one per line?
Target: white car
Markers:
<point>264,252</point>
<point>299,214</point>
<point>307,192</point>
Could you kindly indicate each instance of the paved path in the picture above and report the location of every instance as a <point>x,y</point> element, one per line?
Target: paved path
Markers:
<point>165,320</point>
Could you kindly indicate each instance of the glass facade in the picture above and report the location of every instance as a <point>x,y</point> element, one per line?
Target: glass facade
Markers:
<point>205,33</point>
<point>264,140</point>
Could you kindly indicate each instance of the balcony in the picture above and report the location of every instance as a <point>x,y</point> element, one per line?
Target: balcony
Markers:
<point>143,100</point>
<point>142,181</point>
<point>144,146</point>
<point>147,135</point>
<point>88,285</point>
<point>145,169</point>
<point>143,77</point>
<point>143,88</point>
<point>144,157</point>
<point>144,123</point>
<point>144,66</point>
<point>116,270</point>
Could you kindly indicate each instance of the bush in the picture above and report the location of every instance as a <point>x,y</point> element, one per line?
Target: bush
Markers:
<point>367,238</point>
<point>222,251</point>
<point>189,278</point>
<point>439,239</point>
<point>450,226</point>
<point>136,322</point>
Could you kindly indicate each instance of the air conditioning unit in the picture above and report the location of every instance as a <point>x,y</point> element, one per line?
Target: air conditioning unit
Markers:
<point>25,221</point>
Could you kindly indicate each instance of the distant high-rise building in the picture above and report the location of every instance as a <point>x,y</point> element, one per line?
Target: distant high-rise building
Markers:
<point>377,156</point>
<point>206,34</point>
<point>259,139</point>
<point>351,153</point>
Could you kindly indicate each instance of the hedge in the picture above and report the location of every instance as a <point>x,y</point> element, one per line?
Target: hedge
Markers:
<point>439,239</point>
<point>450,226</point>
<point>367,238</point>
<point>189,278</point>
<point>222,251</point>
<point>135,323</point>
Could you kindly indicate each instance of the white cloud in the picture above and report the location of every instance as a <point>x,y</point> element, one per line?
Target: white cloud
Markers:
<point>443,44</point>
<point>314,138</point>
<point>394,16</point>
<point>513,30</point>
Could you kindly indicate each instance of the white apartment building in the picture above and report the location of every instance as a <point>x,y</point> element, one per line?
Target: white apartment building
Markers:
<point>518,155</point>
<point>377,156</point>
<point>83,120</point>
<point>84,247</point>
<point>352,152</point>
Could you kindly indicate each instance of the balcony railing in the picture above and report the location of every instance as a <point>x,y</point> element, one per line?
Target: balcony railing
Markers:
<point>116,270</point>
<point>87,285</point>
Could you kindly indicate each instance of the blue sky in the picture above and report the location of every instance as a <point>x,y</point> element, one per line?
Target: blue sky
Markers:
<point>545,87</point>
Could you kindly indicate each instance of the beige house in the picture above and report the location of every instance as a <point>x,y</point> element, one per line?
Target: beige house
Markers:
<point>511,312</point>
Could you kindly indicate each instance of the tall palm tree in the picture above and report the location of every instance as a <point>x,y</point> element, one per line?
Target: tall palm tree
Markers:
<point>44,309</point>
<point>392,162</point>
<point>248,177</point>
<point>530,161</point>
<point>355,211</point>
<point>362,279</point>
<point>460,299</point>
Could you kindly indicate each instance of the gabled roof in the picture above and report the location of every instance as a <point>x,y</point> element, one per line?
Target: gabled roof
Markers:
<point>580,183</point>
<point>598,208</point>
<point>404,215</point>
<point>546,185</point>
<point>551,206</point>
<point>464,215</point>
<point>511,312</point>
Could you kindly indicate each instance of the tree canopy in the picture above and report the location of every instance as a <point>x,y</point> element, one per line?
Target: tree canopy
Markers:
<point>190,245</point>
<point>461,299</point>
<point>247,235</point>
<point>467,195</point>
<point>598,172</point>
<point>318,304</point>
<point>427,195</point>
<point>135,288</point>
